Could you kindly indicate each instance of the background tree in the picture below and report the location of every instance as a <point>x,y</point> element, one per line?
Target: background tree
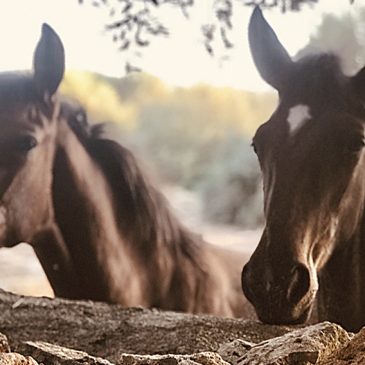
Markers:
<point>133,23</point>
<point>199,137</point>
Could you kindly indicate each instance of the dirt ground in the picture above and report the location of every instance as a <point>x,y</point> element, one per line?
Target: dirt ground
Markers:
<point>21,273</point>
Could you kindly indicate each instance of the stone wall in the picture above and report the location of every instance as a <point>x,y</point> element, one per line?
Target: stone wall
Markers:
<point>57,331</point>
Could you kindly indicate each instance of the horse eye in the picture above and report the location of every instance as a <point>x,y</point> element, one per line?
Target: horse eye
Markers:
<point>80,117</point>
<point>26,143</point>
<point>78,120</point>
<point>355,145</point>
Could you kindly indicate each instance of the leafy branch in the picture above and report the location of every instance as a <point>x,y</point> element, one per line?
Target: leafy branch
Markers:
<point>134,23</point>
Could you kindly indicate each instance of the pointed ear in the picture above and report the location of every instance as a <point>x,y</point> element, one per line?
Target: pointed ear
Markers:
<point>49,62</point>
<point>271,59</point>
<point>358,83</point>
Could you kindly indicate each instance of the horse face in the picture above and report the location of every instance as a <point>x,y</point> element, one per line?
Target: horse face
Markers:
<point>312,160</point>
<point>28,113</point>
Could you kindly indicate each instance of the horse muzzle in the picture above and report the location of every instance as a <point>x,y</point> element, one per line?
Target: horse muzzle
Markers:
<point>287,299</point>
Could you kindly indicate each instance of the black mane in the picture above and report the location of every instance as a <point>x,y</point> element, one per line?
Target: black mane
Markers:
<point>317,80</point>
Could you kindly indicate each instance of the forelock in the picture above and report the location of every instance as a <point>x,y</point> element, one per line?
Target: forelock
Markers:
<point>317,81</point>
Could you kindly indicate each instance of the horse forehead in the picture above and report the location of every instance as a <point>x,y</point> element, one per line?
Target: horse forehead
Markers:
<point>22,118</point>
<point>16,94</point>
<point>16,86</point>
<point>15,112</point>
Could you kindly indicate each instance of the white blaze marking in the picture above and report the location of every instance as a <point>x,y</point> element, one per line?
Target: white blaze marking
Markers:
<point>298,115</point>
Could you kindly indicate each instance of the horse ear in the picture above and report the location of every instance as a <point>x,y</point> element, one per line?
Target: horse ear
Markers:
<point>358,82</point>
<point>271,59</point>
<point>49,62</point>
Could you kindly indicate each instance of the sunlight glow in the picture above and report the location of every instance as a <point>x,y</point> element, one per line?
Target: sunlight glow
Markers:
<point>179,59</point>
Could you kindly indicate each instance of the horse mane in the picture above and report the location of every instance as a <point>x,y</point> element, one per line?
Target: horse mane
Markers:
<point>328,60</point>
<point>143,212</point>
<point>320,79</point>
<point>323,66</point>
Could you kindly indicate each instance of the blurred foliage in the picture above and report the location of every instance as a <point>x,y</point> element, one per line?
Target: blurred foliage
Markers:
<point>103,103</point>
<point>284,5</point>
<point>339,35</point>
<point>140,88</point>
<point>196,137</point>
<point>133,23</point>
<point>199,137</point>
<point>342,35</point>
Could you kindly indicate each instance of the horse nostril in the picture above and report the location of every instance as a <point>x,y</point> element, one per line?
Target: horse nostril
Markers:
<point>299,284</point>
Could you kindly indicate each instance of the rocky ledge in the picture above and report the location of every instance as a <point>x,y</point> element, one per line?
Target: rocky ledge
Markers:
<point>56,331</point>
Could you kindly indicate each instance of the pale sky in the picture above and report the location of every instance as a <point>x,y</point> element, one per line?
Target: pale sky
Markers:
<point>179,59</point>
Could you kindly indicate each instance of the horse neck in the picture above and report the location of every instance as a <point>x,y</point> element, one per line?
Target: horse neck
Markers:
<point>124,245</point>
<point>342,282</point>
<point>56,262</point>
<point>85,215</point>
<point>164,249</point>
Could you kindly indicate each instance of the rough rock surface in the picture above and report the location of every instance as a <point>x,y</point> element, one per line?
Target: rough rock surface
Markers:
<point>203,358</point>
<point>353,353</point>
<point>9,358</point>
<point>47,353</point>
<point>235,350</point>
<point>303,346</point>
<point>107,331</point>
<point>62,332</point>
<point>16,359</point>
<point>4,344</point>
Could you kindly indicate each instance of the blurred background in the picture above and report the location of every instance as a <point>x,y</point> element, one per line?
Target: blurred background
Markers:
<point>179,89</point>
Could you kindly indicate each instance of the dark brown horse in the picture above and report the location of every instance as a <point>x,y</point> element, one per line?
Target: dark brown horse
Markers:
<point>28,122</point>
<point>312,158</point>
<point>115,235</point>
